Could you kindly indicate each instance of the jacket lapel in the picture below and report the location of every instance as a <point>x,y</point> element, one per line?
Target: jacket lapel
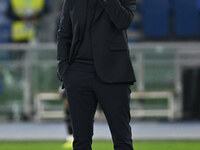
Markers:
<point>99,10</point>
<point>82,15</point>
<point>79,28</point>
<point>82,6</point>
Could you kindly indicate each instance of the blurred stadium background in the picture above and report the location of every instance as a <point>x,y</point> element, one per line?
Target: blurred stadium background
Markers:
<point>164,42</point>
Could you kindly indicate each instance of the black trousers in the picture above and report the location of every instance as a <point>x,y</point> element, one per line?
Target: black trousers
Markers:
<point>84,91</point>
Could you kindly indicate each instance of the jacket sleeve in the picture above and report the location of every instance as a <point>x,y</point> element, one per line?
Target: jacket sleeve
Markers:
<point>121,12</point>
<point>64,34</point>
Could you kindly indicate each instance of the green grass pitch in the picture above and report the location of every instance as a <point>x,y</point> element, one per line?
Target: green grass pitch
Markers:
<point>102,145</point>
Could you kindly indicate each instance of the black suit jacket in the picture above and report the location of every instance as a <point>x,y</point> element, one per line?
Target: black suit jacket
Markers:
<point>109,38</point>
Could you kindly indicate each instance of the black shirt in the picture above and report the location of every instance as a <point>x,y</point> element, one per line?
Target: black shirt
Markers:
<point>85,50</point>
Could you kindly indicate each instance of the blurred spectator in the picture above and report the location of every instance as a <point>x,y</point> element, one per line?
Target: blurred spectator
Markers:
<point>26,15</point>
<point>4,22</point>
<point>69,138</point>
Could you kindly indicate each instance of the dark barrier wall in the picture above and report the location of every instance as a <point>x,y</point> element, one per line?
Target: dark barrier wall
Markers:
<point>170,18</point>
<point>186,18</point>
<point>191,93</point>
<point>155,17</point>
<point>4,22</point>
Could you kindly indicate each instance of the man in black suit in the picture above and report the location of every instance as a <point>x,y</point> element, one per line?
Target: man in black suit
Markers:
<point>94,66</point>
